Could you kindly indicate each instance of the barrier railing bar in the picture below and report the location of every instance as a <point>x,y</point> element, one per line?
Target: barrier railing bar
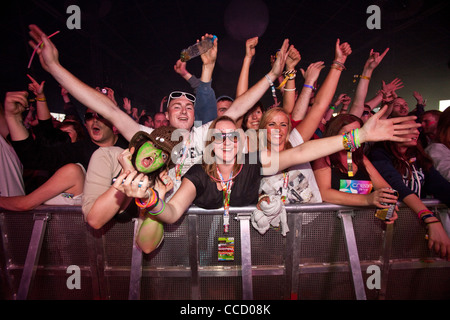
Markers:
<point>34,250</point>
<point>385,260</point>
<point>134,292</point>
<point>293,255</point>
<point>5,260</point>
<point>193,255</point>
<point>246,256</point>
<point>352,250</point>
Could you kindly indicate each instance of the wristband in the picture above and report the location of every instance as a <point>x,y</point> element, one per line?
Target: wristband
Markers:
<point>308,86</point>
<point>419,214</point>
<point>41,99</point>
<point>160,210</point>
<point>289,90</point>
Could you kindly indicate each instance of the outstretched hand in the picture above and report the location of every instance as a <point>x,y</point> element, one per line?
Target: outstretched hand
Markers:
<point>393,129</point>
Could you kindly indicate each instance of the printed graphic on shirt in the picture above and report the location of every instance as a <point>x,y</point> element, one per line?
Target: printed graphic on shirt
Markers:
<point>298,188</point>
<point>355,186</point>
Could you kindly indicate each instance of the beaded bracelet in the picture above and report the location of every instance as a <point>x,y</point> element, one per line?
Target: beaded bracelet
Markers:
<point>272,87</point>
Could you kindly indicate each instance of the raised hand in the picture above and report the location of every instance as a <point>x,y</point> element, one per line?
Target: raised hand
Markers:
<point>15,103</point>
<point>393,129</point>
<point>180,68</point>
<point>393,86</point>
<point>374,59</point>
<point>250,46</point>
<point>35,87</point>
<point>280,61</point>
<point>48,54</point>
<point>293,58</point>
<point>418,97</point>
<point>342,51</point>
<point>312,72</point>
<point>210,56</point>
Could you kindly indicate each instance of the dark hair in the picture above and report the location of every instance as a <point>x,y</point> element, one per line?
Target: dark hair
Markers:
<point>249,112</point>
<point>332,128</point>
<point>144,118</point>
<point>443,128</point>
<point>77,126</point>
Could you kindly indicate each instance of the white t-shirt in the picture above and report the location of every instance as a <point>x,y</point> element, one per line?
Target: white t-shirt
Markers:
<point>298,184</point>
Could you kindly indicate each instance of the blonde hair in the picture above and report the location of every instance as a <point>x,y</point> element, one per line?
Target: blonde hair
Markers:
<point>267,118</point>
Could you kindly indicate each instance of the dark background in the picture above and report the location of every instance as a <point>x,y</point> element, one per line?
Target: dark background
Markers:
<point>131,46</point>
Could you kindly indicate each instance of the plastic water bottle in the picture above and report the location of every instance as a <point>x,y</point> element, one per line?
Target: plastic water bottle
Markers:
<point>197,49</point>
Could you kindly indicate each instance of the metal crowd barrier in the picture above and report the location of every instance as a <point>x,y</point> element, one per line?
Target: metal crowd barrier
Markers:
<point>331,252</point>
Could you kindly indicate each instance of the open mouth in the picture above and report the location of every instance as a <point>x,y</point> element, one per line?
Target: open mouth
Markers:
<point>147,162</point>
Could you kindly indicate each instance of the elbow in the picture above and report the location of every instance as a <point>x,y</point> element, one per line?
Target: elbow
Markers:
<point>93,222</point>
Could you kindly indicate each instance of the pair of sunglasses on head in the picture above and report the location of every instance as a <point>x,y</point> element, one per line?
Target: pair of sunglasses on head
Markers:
<point>179,94</point>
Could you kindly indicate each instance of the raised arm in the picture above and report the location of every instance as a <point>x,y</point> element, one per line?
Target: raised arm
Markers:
<point>302,103</point>
<point>250,51</point>
<point>42,111</point>
<point>244,102</point>
<point>205,103</point>
<point>326,92</point>
<point>86,95</point>
<point>289,89</point>
<point>375,129</point>
<point>372,62</point>
<point>15,103</point>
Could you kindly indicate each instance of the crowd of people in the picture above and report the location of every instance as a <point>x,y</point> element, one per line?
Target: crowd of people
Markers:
<point>305,148</point>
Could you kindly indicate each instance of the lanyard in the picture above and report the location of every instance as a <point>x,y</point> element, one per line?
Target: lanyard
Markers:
<point>226,190</point>
<point>285,186</point>
<point>179,166</point>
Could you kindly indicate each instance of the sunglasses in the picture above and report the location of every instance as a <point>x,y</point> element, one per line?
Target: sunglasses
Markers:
<point>219,137</point>
<point>91,115</point>
<point>179,94</point>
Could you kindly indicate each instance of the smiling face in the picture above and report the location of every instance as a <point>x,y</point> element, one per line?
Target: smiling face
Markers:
<point>400,107</point>
<point>226,146</point>
<point>277,131</point>
<point>180,113</point>
<point>149,158</point>
<point>254,118</point>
